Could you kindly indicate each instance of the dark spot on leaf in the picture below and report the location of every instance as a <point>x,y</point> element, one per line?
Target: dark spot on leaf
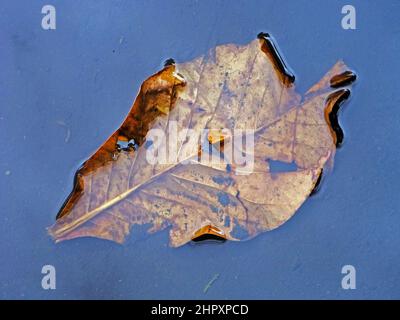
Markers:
<point>127,145</point>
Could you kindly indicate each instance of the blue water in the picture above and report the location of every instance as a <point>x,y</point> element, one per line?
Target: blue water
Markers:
<point>82,78</point>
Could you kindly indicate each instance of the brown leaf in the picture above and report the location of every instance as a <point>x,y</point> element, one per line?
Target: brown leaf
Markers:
<point>231,88</point>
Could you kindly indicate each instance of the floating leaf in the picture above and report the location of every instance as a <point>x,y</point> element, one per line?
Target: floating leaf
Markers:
<point>232,89</point>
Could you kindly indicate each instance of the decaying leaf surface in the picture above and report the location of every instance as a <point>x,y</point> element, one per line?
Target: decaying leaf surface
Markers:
<point>233,87</point>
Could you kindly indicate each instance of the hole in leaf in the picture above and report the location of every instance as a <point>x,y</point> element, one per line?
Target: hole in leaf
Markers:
<point>276,166</point>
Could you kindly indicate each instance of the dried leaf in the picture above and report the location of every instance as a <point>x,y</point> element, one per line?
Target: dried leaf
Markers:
<point>231,88</point>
